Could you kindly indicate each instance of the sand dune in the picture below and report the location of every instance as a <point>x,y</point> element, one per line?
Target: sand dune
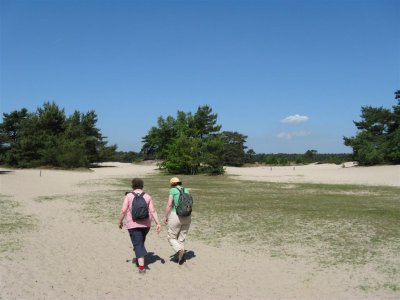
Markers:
<point>69,257</point>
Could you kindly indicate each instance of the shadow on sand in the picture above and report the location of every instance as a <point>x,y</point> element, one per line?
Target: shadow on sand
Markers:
<point>95,166</point>
<point>152,258</point>
<point>5,172</point>
<point>188,256</point>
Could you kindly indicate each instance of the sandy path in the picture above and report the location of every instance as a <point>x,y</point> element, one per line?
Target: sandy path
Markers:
<point>68,257</point>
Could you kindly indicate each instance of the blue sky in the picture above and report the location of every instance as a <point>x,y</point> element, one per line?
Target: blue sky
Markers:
<point>291,75</point>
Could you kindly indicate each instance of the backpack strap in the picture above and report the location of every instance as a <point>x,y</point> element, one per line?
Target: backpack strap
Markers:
<point>135,194</point>
<point>180,192</point>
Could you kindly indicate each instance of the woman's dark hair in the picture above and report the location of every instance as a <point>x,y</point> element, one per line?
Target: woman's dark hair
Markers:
<point>137,183</point>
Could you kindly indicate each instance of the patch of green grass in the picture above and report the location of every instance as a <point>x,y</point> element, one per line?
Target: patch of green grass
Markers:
<point>11,223</point>
<point>51,198</point>
<point>394,287</point>
<point>103,206</point>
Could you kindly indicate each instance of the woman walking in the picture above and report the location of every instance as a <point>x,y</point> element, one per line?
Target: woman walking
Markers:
<point>138,225</point>
<point>178,226</point>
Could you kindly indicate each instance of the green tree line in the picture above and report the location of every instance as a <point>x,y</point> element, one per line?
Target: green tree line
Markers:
<point>310,156</point>
<point>189,143</point>
<point>48,137</point>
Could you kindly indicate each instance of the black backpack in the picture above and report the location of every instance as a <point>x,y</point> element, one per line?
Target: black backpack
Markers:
<point>139,207</point>
<point>185,203</point>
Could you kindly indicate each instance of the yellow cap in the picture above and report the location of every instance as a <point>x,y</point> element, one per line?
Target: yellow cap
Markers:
<point>174,180</point>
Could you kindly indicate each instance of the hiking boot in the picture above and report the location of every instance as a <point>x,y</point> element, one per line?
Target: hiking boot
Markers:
<point>181,257</point>
<point>135,261</point>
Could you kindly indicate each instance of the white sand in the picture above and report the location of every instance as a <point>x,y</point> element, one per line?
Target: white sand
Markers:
<point>323,173</point>
<point>68,257</point>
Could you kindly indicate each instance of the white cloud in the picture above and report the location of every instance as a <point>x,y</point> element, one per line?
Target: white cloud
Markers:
<point>284,136</point>
<point>295,119</point>
<point>290,135</point>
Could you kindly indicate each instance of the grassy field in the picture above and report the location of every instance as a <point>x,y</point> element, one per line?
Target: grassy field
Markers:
<point>347,223</point>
